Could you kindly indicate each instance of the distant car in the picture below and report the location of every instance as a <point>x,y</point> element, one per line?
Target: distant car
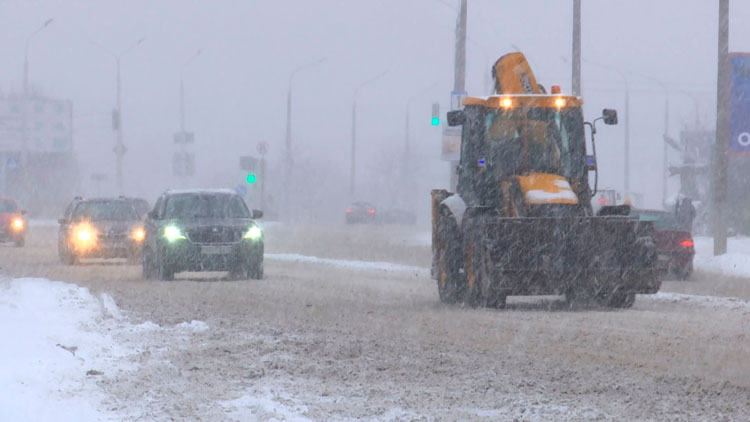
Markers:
<point>202,230</point>
<point>360,212</point>
<point>674,242</point>
<point>100,228</point>
<point>397,216</point>
<point>12,222</point>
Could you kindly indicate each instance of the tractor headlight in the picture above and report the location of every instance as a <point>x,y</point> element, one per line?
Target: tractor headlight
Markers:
<point>254,233</point>
<point>172,233</point>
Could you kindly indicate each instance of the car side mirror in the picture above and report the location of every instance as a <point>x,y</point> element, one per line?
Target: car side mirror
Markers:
<point>456,118</point>
<point>62,221</point>
<point>610,116</point>
<point>257,214</point>
<point>153,215</point>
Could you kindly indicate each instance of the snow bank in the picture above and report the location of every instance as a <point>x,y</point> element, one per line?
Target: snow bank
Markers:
<point>51,339</point>
<point>735,263</point>
<point>346,264</point>
<point>706,301</point>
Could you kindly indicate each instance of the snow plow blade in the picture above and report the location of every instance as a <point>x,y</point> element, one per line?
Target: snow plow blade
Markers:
<point>572,255</point>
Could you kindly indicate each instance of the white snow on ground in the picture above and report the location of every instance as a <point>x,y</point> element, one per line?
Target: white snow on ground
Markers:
<point>58,340</point>
<point>265,406</point>
<point>736,262</point>
<point>53,334</point>
<point>346,264</point>
<point>706,301</point>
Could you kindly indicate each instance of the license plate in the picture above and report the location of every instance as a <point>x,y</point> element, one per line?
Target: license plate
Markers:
<point>216,249</point>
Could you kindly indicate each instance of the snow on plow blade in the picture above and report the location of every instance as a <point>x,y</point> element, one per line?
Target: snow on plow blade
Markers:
<point>556,255</point>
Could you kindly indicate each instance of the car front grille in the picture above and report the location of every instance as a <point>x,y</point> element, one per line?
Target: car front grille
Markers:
<point>215,235</point>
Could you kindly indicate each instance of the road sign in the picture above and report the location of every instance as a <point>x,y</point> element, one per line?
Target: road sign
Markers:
<point>248,163</point>
<point>451,145</point>
<point>262,148</point>
<point>739,141</point>
<point>184,138</point>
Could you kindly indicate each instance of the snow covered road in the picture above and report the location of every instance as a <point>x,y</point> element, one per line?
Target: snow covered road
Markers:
<point>336,331</point>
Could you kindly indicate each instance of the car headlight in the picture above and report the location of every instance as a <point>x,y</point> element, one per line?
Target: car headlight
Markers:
<point>172,233</point>
<point>139,234</point>
<point>17,224</point>
<point>84,236</point>
<point>254,233</point>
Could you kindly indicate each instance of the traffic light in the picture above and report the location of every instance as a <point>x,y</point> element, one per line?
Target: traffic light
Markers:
<point>251,178</point>
<point>435,114</point>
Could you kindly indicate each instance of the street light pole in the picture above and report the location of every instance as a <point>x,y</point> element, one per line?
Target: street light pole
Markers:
<point>353,162</point>
<point>627,123</point>
<point>25,134</point>
<point>576,57</point>
<point>120,146</point>
<point>288,144</point>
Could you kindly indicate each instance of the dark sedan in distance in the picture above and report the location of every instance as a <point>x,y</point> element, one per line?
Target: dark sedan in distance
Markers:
<point>674,242</point>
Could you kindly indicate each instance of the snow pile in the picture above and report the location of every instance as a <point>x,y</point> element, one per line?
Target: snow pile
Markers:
<point>55,345</point>
<point>706,301</point>
<point>347,264</point>
<point>735,263</point>
<point>266,406</point>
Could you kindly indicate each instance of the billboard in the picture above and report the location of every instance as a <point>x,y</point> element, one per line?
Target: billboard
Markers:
<point>48,127</point>
<point>739,103</point>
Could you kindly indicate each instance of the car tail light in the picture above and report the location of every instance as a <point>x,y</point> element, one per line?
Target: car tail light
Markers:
<point>348,211</point>
<point>687,243</point>
<point>371,211</point>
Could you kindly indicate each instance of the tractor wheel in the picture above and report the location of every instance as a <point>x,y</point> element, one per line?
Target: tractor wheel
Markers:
<point>450,280</point>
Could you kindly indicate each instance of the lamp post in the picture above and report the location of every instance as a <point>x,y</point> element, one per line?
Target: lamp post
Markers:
<point>117,116</point>
<point>353,163</point>
<point>25,134</point>
<point>627,121</point>
<point>288,144</point>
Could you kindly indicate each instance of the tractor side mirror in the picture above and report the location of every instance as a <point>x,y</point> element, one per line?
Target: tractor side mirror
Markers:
<point>257,214</point>
<point>590,163</point>
<point>610,116</point>
<point>456,118</point>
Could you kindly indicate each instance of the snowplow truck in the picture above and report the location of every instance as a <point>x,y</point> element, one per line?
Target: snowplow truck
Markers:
<point>521,220</point>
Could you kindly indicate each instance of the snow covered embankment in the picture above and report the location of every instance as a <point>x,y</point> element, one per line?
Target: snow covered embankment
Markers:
<point>735,263</point>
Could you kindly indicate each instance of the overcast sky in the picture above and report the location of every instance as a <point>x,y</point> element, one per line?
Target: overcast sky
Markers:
<point>236,89</point>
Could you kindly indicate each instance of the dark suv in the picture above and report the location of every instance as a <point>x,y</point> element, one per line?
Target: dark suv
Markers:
<point>202,230</point>
<point>99,228</point>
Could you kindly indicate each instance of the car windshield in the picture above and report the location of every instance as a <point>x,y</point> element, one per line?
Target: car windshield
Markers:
<point>661,220</point>
<point>536,139</point>
<point>104,211</point>
<point>194,206</point>
<point>6,205</point>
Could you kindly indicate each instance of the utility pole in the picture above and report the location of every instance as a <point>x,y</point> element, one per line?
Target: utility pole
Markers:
<point>576,62</point>
<point>119,149</point>
<point>722,133</point>
<point>459,76</point>
<point>353,160</point>
<point>289,161</point>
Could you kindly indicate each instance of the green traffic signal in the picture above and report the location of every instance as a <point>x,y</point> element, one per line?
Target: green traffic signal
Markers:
<point>251,178</point>
<point>435,121</point>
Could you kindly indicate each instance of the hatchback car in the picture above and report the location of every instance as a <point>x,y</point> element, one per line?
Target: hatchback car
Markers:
<point>674,242</point>
<point>100,228</point>
<point>360,212</point>
<point>12,222</point>
<point>202,230</point>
